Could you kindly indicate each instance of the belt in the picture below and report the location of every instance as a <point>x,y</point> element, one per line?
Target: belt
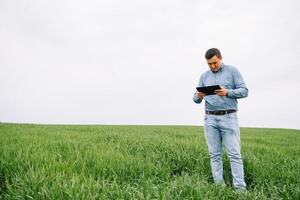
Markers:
<point>220,112</point>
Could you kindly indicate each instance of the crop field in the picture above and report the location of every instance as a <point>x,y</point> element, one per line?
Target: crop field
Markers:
<point>140,162</point>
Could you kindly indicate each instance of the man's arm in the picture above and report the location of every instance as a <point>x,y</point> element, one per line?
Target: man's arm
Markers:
<point>198,96</point>
<point>241,89</point>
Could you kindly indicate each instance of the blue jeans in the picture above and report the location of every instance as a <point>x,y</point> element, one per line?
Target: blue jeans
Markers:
<point>224,129</point>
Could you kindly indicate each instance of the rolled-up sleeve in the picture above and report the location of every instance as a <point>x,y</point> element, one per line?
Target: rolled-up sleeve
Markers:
<point>195,98</point>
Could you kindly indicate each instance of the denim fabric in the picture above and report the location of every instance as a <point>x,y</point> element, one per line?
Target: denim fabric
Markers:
<point>224,129</point>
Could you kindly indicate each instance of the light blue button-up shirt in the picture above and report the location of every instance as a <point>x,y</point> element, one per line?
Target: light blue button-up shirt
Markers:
<point>228,77</point>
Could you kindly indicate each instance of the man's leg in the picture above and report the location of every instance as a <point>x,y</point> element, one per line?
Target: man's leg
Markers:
<point>214,143</point>
<point>231,138</point>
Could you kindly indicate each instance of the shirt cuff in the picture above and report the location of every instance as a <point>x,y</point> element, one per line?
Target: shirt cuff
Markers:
<point>230,93</point>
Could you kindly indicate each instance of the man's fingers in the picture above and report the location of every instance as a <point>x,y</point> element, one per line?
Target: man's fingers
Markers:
<point>218,91</point>
<point>200,94</point>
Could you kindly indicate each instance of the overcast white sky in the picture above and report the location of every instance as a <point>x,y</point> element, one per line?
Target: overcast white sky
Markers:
<point>138,62</point>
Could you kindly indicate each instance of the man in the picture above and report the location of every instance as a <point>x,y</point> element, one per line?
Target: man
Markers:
<point>221,122</point>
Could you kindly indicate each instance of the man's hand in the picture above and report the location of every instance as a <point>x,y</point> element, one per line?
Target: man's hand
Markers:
<point>200,95</point>
<point>221,92</point>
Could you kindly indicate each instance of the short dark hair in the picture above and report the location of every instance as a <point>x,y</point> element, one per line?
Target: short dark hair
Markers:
<point>213,52</point>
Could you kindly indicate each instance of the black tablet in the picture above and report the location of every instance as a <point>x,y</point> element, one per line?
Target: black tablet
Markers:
<point>208,90</point>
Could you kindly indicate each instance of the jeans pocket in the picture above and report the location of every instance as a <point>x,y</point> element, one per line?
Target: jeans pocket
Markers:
<point>232,115</point>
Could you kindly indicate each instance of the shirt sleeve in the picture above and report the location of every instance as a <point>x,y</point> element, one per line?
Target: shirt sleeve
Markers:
<point>195,98</point>
<point>240,90</point>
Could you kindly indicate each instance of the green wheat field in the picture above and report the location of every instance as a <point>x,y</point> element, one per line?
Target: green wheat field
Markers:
<point>140,162</point>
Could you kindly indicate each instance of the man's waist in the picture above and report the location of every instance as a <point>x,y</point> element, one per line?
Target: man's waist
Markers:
<point>220,112</point>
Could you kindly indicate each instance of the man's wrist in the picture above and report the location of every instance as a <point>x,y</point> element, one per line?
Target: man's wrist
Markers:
<point>229,93</point>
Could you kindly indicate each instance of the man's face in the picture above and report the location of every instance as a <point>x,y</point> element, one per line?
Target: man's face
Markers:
<point>214,63</point>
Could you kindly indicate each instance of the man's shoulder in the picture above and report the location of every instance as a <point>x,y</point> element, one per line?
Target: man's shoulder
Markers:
<point>206,72</point>
<point>230,68</point>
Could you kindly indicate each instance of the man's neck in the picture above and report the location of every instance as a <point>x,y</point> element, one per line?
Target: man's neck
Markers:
<point>220,68</point>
